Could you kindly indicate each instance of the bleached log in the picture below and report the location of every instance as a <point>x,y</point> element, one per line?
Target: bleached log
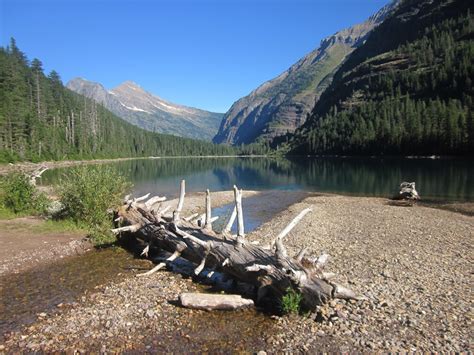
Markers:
<point>258,267</point>
<point>345,293</point>
<point>201,220</point>
<point>164,210</point>
<point>132,228</point>
<point>182,191</point>
<point>328,275</point>
<point>240,216</point>
<point>145,251</point>
<point>321,261</point>
<point>141,198</point>
<point>230,223</point>
<point>37,174</point>
<point>161,265</point>
<point>208,224</point>
<point>407,192</point>
<point>190,218</point>
<point>154,200</point>
<point>210,302</point>
<point>278,242</point>
<point>301,254</point>
<point>269,272</point>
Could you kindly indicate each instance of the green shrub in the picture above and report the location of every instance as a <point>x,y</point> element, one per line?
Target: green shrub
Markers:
<point>87,193</point>
<point>19,196</point>
<point>291,301</point>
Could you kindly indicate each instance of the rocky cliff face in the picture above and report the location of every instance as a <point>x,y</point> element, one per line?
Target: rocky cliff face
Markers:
<point>281,105</point>
<point>143,109</point>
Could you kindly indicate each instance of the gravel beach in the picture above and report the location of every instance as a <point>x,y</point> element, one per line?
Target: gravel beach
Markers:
<point>414,264</point>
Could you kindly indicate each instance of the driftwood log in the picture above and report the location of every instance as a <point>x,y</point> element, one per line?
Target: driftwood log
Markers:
<point>36,175</point>
<point>211,302</point>
<point>407,192</point>
<point>271,271</point>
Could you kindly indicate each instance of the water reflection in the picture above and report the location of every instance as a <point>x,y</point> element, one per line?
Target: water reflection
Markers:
<point>436,179</point>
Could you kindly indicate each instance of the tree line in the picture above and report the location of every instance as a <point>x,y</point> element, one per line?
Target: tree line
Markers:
<point>41,120</point>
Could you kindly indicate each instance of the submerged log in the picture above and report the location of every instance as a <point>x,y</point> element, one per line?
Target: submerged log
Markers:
<point>272,272</point>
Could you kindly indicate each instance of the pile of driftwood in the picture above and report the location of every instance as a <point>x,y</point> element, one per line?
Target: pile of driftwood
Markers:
<point>271,271</point>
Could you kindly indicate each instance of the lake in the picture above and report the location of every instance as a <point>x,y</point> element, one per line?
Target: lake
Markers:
<point>436,179</point>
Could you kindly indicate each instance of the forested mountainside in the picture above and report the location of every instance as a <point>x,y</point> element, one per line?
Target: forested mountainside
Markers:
<point>132,103</point>
<point>40,119</point>
<point>281,105</point>
<point>407,90</point>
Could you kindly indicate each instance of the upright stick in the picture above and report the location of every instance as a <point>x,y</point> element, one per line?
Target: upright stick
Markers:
<point>208,224</point>
<point>240,215</point>
<point>182,190</point>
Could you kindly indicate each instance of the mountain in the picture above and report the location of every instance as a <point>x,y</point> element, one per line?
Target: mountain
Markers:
<point>281,105</point>
<point>143,109</point>
<point>40,120</point>
<point>407,90</point>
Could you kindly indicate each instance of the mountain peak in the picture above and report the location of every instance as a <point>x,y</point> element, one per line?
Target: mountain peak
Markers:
<point>279,106</point>
<point>141,108</point>
<point>129,85</point>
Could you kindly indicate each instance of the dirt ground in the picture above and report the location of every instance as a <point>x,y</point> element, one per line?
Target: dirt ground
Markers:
<point>25,243</point>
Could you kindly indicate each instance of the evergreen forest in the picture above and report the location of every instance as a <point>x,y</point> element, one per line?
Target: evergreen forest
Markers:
<point>407,91</point>
<point>42,120</point>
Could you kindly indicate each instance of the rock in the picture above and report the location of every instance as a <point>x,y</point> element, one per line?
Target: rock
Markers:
<point>213,302</point>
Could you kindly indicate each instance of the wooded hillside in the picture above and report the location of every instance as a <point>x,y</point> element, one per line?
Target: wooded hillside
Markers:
<point>41,120</point>
<point>407,90</point>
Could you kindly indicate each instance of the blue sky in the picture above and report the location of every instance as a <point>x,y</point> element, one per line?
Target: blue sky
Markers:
<point>201,53</point>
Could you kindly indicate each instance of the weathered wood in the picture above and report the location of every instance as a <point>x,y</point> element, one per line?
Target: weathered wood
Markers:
<point>36,174</point>
<point>210,302</point>
<point>407,192</point>
<point>176,213</point>
<point>208,224</point>
<point>271,272</point>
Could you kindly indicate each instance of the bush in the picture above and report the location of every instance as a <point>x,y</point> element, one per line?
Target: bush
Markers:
<point>291,302</point>
<point>19,196</point>
<point>87,193</point>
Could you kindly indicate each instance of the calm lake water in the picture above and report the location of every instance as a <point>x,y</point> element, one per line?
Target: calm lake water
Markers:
<point>436,179</point>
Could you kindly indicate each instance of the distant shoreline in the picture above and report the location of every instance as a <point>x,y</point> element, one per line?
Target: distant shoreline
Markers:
<point>26,166</point>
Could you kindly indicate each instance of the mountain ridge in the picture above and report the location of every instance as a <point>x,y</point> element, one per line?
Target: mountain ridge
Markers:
<point>139,107</point>
<point>280,105</point>
<point>406,91</point>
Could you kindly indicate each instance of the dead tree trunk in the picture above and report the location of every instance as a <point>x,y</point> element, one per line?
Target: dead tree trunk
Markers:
<point>271,271</point>
<point>407,192</point>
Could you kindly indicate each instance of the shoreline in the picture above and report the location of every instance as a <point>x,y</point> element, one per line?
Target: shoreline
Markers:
<point>412,262</point>
<point>26,166</point>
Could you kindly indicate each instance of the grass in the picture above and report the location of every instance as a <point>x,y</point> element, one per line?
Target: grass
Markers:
<point>58,226</point>
<point>87,194</point>
<point>291,302</point>
<point>5,213</point>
